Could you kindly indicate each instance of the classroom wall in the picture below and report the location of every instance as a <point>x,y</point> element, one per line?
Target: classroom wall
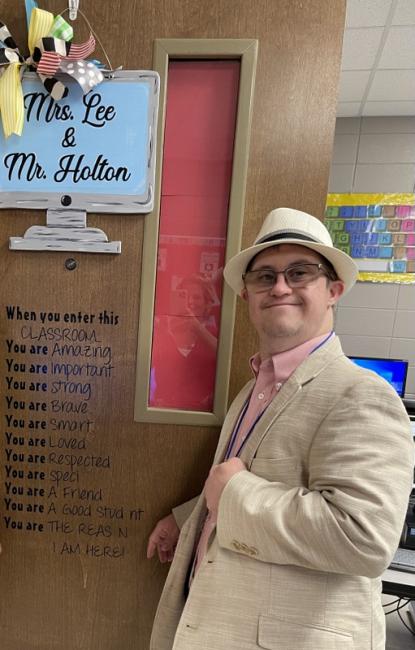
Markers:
<point>73,567</point>
<point>376,154</point>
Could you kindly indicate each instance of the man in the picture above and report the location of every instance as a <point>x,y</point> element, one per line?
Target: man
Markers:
<point>305,502</point>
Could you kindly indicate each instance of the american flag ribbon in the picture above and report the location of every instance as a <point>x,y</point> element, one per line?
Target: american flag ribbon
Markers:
<point>49,63</point>
<point>82,50</point>
<point>51,56</point>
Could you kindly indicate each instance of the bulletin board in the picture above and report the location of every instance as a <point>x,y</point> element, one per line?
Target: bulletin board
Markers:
<point>378,231</point>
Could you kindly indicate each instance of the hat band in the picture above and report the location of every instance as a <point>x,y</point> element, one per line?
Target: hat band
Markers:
<point>286,235</point>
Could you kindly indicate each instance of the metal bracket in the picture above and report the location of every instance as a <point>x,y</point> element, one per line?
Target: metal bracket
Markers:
<point>73,6</point>
<point>66,230</point>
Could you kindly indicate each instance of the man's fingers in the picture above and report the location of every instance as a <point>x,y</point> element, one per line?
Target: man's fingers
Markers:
<point>151,547</point>
<point>166,550</point>
<point>164,546</point>
<point>163,556</point>
<point>156,536</point>
<point>163,539</point>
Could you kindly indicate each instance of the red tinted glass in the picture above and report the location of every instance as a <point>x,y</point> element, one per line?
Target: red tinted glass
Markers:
<point>196,179</point>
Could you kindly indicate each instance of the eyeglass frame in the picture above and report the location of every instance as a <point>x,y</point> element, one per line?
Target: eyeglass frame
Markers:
<point>325,271</point>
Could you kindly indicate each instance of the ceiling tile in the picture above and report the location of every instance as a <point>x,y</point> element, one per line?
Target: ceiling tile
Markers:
<point>392,85</point>
<point>378,63</point>
<point>353,85</point>
<point>399,49</point>
<point>367,13</point>
<point>348,109</point>
<point>404,13</point>
<point>360,47</point>
<point>388,108</point>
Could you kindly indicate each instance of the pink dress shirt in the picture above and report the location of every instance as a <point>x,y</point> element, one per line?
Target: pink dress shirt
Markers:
<point>270,375</point>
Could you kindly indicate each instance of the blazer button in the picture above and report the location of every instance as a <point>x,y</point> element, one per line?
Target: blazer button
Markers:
<point>236,545</point>
<point>244,548</point>
<point>253,551</point>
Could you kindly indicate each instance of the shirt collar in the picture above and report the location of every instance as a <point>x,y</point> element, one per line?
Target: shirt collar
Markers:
<point>284,363</point>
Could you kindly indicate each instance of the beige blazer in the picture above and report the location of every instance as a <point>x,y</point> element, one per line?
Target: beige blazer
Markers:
<point>302,536</point>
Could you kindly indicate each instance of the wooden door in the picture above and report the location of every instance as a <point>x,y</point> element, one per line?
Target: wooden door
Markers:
<point>67,587</point>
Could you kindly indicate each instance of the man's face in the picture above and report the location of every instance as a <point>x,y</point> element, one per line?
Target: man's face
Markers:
<point>285,317</point>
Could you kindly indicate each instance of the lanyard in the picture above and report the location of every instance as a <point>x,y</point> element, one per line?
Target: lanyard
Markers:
<point>323,342</point>
<point>245,408</point>
<point>238,426</point>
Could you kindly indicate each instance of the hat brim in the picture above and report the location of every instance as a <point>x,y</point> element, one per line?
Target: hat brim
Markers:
<point>345,267</point>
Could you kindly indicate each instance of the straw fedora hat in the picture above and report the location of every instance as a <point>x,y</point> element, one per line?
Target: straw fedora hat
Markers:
<point>287,226</point>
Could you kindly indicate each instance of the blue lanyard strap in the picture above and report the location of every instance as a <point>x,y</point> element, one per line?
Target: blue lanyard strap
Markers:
<point>236,429</point>
<point>238,426</point>
<point>323,342</point>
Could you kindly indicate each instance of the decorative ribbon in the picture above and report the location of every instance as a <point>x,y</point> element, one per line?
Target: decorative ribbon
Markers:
<point>30,5</point>
<point>51,52</point>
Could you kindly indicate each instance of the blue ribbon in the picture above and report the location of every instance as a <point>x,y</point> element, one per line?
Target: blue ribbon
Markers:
<point>30,5</point>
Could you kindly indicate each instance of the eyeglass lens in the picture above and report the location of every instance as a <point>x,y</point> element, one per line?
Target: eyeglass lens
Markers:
<point>297,275</point>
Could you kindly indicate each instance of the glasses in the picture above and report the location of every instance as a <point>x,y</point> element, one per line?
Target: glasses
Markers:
<point>297,275</point>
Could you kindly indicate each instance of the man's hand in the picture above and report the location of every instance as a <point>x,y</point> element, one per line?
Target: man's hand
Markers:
<point>218,477</point>
<point>164,538</point>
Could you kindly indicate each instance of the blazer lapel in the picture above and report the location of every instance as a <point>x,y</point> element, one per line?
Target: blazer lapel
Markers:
<point>306,371</point>
<point>289,391</point>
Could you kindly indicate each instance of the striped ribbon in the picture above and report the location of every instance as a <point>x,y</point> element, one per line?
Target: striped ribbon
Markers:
<point>11,100</point>
<point>54,50</point>
<point>41,23</point>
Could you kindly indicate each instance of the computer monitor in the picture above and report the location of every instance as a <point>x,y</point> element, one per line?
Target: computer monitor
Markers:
<point>393,370</point>
<point>106,164</point>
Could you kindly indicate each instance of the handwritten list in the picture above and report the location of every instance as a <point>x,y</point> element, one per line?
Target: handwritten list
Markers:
<point>54,469</point>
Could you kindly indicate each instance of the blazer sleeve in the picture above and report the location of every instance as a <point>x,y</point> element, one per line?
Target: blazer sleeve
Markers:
<point>182,513</point>
<point>349,517</point>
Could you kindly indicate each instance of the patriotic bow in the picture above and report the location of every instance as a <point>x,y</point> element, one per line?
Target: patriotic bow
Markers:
<point>50,52</point>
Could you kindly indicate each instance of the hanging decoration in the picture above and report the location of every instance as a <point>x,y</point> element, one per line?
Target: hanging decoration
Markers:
<point>51,53</point>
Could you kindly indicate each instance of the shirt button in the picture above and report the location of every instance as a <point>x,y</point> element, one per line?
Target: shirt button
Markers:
<point>278,385</point>
<point>261,395</point>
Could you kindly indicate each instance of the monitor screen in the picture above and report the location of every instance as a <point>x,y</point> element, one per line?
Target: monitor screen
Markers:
<point>98,149</point>
<point>393,370</point>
